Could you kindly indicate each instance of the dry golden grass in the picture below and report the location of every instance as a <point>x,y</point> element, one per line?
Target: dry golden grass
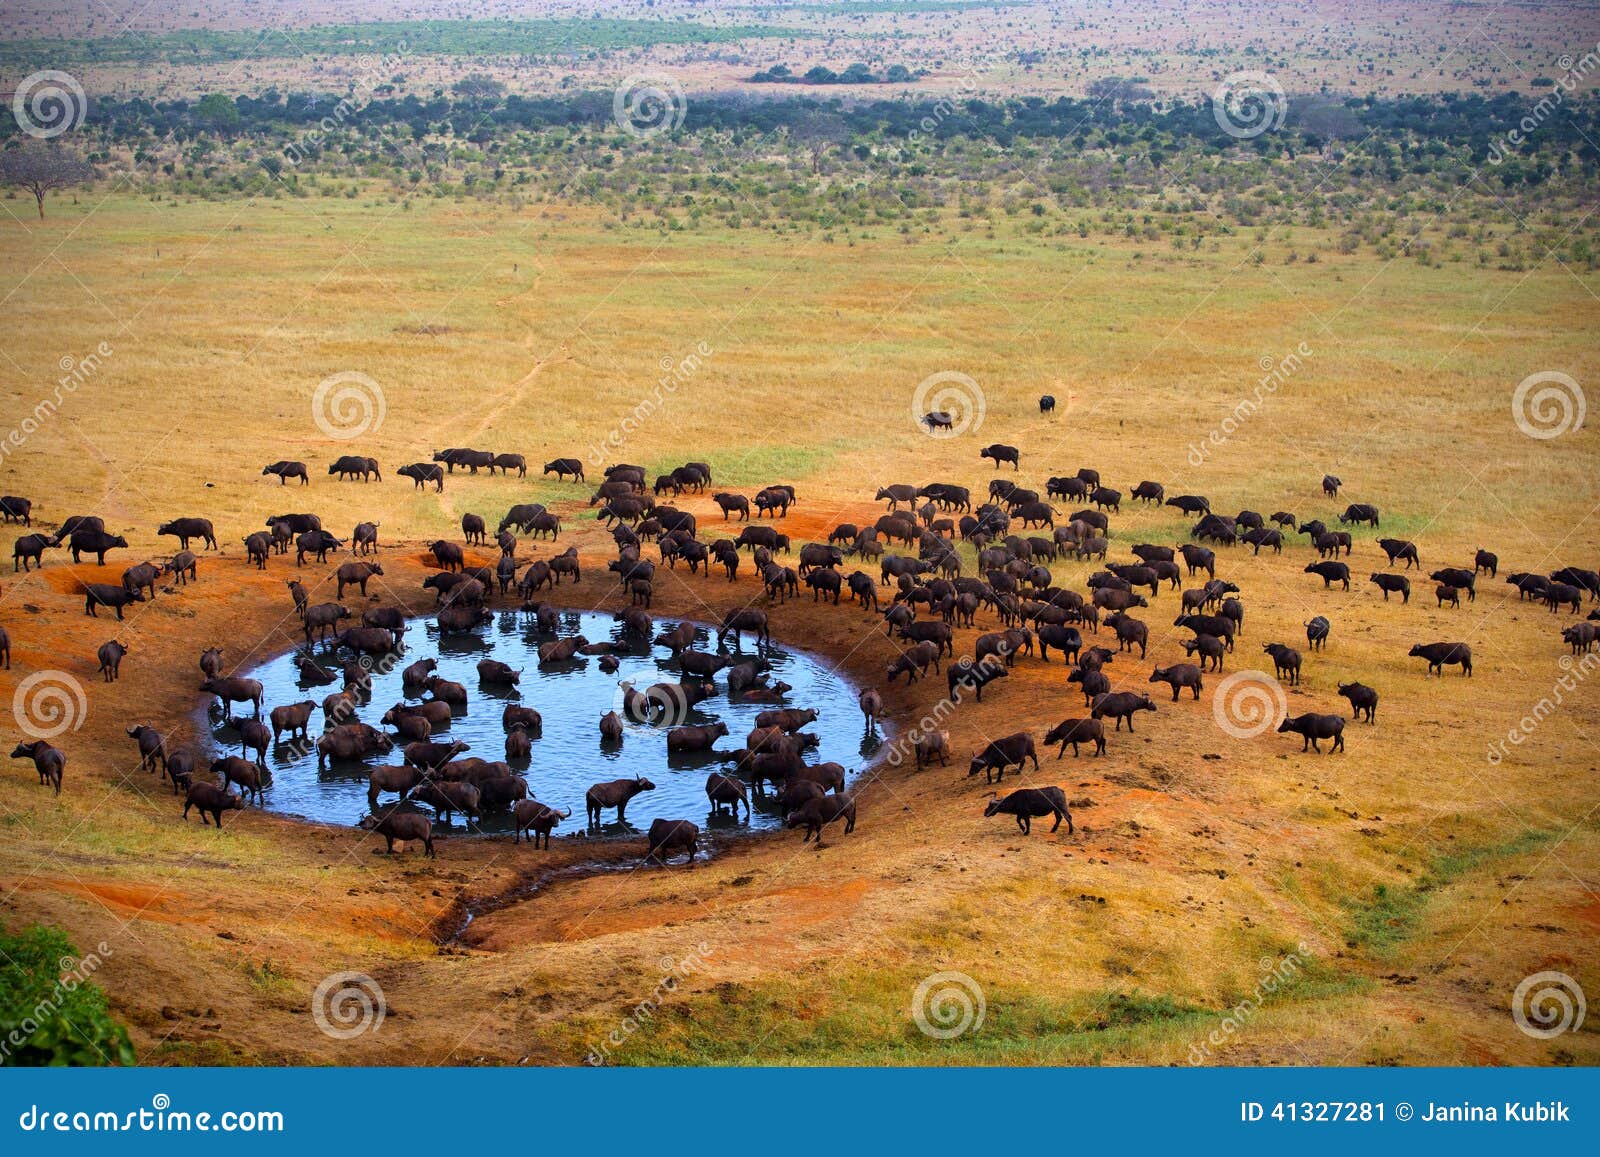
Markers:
<point>223,317</point>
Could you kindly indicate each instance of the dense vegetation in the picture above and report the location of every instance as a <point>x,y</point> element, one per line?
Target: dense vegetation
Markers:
<point>50,1013</point>
<point>523,38</point>
<point>1437,179</point>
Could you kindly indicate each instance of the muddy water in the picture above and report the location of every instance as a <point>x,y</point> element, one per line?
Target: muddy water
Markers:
<point>568,755</point>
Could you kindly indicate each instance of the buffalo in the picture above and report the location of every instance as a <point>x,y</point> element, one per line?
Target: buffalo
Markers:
<point>531,815</point>
<point>1441,655</point>
<point>967,675</point>
<point>422,473</point>
<point>183,529</point>
<point>1317,632</point>
<point>669,836</point>
<point>999,452</point>
<point>1330,573</point>
<point>354,466</point>
<point>105,595</point>
<point>50,762</point>
<point>286,470</point>
<point>1076,731</point>
<point>403,826</point>
<point>1360,512</point>
<point>561,467</point>
<point>1363,699</point>
<point>1026,803</point>
<point>211,801</point>
<point>1120,705</point>
<point>1178,676</point>
<point>110,658</point>
<point>1393,583</point>
<point>614,794</point>
<point>29,548</point>
<point>1002,753</point>
<point>95,542</point>
<point>1312,728</point>
<point>815,814</point>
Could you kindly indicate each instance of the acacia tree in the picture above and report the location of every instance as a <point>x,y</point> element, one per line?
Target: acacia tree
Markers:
<point>42,167</point>
<point>818,131</point>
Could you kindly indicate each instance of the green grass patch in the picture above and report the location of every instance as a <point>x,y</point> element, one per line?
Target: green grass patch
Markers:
<point>764,465</point>
<point>866,1019</point>
<point>377,38</point>
<point>1389,916</point>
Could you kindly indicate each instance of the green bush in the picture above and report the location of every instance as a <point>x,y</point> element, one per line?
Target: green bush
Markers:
<point>50,1014</point>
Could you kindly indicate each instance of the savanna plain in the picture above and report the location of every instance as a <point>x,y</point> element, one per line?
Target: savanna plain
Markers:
<point>1222,899</point>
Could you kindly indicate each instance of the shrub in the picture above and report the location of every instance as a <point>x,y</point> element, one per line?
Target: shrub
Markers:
<point>50,1014</point>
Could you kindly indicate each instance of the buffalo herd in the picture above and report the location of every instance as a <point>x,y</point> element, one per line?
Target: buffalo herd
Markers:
<point>1013,541</point>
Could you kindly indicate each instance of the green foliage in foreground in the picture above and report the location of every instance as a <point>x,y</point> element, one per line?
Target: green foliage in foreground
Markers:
<point>50,1013</point>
